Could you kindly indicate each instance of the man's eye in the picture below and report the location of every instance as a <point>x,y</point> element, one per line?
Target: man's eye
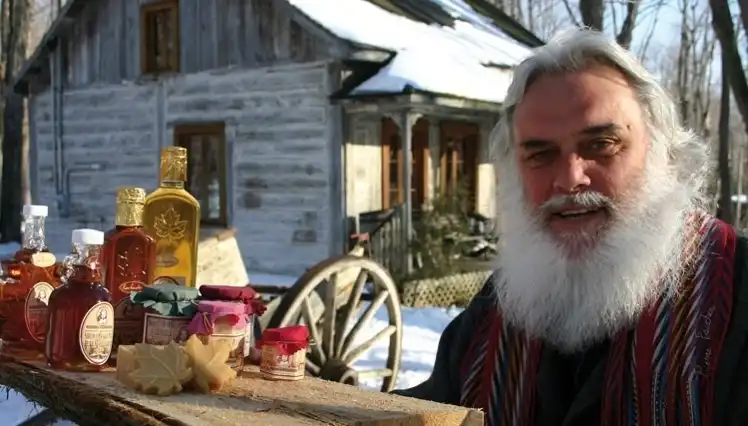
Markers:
<point>603,145</point>
<point>540,157</point>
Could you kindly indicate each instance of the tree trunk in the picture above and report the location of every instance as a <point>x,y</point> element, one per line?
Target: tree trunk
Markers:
<point>725,31</point>
<point>593,13</point>
<point>11,197</point>
<point>627,29</point>
<point>725,209</point>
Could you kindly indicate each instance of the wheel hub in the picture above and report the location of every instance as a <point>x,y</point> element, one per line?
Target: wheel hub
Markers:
<point>336,371</point>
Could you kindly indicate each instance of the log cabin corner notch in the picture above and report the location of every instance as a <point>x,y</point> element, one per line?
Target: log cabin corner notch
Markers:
<point>159,37</point>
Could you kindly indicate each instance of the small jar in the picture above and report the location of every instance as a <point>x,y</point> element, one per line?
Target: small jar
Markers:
<point>284,353</point>
<point>221,320</point>
<point>167,310</point>
<point>245,295</point>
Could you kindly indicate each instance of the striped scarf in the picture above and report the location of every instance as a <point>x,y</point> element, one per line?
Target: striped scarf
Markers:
<point>660,373</point>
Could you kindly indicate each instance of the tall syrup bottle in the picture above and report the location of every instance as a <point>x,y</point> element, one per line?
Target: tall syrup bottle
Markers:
<point>172,218</point>
<point>128,259</point>
<point>81,316</point>
<point>129,253</point>
<point>26,282</point>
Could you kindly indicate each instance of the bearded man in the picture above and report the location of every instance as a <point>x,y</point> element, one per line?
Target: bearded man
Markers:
<point>616,300</point>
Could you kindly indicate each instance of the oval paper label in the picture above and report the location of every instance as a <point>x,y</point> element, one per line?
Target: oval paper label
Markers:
<point>97,333</point>
<point>35,311</point>
<point>43,259</point>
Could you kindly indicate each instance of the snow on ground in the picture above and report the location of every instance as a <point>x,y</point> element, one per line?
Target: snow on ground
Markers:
<point>421,331</point>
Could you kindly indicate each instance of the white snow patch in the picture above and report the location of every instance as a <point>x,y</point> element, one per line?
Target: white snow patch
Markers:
<point>439,59</point>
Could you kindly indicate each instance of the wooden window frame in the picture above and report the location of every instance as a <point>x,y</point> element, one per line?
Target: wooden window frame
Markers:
<point>456,130</point>
<point>420,150</point>
<point>146,49</point>
<point>217,129</point>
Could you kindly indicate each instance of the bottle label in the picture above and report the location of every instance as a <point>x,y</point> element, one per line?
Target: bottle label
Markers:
<point>248,336</point>
<point>131,286</point>
<point>35,310</point>
<point>128,324</point>
<point>165,279</point>
<point>162,329</point>
<point>43,259</point>
<point>97,333</point>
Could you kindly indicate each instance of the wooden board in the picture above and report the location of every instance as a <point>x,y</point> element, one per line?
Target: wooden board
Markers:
<point>250,400</point>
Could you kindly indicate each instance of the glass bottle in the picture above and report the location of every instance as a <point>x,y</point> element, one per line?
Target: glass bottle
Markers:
<point>26,281</point>
<point>129,254</point>
<point>81,316</point>
<point>172,218</point>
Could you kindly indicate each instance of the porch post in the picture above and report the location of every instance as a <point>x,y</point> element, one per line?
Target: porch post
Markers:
<point>408,120</point>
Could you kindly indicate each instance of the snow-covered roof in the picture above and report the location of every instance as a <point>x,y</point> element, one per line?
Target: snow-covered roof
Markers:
<point>470,59</point>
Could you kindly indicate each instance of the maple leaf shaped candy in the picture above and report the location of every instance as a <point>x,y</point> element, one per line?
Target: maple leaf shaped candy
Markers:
<point>162,370</point>
<point>209,363</point>
<point>169,225</point>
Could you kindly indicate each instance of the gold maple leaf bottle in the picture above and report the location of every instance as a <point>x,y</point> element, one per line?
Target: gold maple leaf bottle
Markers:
<point>172,217</point>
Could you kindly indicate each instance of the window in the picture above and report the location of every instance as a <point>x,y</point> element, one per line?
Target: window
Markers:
<point>459,161</point>
<point>159,37</point>
<point>206,168</point>
<point>393,178</point>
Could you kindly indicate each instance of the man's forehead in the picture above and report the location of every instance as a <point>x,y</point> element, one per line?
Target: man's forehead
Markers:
<point>575,102</point>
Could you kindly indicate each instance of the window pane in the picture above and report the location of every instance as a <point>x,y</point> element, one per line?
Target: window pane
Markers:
<point>204,181</point>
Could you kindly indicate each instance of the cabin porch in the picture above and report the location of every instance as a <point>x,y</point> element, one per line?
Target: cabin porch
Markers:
<point>403,150</point>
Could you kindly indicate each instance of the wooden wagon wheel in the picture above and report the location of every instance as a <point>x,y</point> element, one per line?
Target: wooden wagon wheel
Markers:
<point>327,298</point>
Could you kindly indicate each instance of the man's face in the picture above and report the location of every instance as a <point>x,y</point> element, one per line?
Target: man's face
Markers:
<point>576,133</point>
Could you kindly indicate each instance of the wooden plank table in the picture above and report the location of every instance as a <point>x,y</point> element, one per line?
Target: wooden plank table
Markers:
<point>99,399</point>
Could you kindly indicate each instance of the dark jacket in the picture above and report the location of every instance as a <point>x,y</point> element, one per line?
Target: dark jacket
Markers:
<point>569,389</point>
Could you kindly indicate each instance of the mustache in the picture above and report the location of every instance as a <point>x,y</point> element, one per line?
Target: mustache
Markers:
<point>585,200</point>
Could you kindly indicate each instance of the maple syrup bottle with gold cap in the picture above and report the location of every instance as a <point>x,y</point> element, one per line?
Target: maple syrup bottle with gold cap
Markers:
<point>81,316</point>
<point>26,281</point>
<point>172,218</point>
<point>127,260</point>
<point>129,253</point>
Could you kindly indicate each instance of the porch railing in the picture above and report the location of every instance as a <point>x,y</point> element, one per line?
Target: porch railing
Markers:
<point>386,229</point>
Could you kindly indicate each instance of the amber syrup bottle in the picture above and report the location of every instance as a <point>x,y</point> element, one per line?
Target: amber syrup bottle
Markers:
<point>81,316</point>
<point>129,254</point>
<point>128,259</point>
<point>26,282</point>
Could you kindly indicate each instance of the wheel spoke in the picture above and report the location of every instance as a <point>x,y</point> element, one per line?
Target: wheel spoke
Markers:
<point>350,308</point>
<point>306,311</point>
<point>352,355</point>
<point>374,374</point>
<point>312,367</point>
<point>328,326</point>
<point>365,318</point>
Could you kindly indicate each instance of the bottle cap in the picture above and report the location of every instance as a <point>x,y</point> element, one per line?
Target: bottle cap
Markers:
<point>35,210</point>
<point>130,195</point>
<point>88,236</point>
<point>174,164</point>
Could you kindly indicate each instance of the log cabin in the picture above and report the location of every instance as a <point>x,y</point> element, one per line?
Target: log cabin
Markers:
<point>298,114</point>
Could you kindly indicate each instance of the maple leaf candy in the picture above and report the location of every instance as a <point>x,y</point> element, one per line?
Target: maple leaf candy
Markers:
<point>209,363</point>
<point>162,370</point>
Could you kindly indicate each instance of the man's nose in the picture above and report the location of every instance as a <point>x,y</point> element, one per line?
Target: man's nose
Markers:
<point>571,175</point>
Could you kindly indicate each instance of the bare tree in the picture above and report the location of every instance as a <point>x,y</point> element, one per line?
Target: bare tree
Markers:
<point>15,166</point>
<point>725,32</point>
<point>724,211</point>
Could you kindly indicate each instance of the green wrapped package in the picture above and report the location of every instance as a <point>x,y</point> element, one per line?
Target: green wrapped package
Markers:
<point>168,299</point>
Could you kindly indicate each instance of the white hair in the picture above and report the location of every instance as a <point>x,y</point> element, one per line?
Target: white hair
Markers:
<point>572,302</point>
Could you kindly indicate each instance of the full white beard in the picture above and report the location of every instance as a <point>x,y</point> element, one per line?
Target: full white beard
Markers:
<point>572,302</point>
